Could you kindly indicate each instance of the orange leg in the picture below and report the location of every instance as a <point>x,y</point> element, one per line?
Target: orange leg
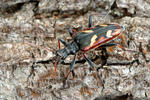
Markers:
<point>125,49</point>
<point>114,44</point>
<point>121,47</point>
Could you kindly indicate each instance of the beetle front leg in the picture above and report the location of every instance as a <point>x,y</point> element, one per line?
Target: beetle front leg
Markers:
<point>71,66</point>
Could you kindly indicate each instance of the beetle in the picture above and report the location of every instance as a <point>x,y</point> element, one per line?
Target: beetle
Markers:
<point>86,40</point>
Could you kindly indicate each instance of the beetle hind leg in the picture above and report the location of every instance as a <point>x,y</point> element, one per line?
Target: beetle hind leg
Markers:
<point>115,44</point>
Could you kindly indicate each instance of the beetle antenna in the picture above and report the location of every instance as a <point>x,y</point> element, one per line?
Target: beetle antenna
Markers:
<point>63,42</point>
<point>109,10</point>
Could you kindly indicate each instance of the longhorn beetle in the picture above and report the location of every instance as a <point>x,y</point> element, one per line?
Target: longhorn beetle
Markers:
<point>88,39</point>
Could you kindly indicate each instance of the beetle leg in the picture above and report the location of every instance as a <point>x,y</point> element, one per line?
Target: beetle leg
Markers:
<point>113,44</point>
<point>125,49</point>
<point>56,64</point>
<point>63,42</point>
<point>71,66</point>
<point>121,47</point>
<point>89,61</point>
<point>90,21</point>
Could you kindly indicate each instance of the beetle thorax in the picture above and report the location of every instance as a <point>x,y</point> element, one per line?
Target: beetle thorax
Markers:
<point>71,49</point>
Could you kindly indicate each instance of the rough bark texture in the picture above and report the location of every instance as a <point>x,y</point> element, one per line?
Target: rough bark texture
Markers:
<point>29,30</point>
